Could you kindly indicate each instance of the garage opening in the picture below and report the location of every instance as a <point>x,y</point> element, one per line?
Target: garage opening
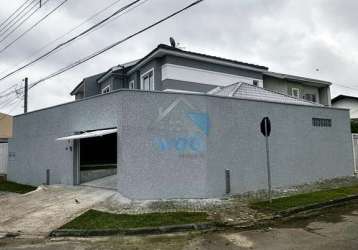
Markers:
<point>95,157</point>
<point>98,157</point>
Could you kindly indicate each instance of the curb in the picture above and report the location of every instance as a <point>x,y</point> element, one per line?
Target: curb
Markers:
<point>327,204</point>
<point>132,231</point>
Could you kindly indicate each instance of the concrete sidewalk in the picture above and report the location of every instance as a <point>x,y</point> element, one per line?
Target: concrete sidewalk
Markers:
<point>47,208</point>
<point>108,182</point>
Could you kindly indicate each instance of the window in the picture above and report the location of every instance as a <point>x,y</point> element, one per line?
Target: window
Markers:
<point>310,97</point>
<point>320,122</point>
<point>106,89</point>
<point>131,85</point>
<point>255,83</point>
<point>295,92</point>
<point>147,80</point>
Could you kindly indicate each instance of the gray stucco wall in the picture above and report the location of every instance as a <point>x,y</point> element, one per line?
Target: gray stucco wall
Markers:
<point>300,153</point>
<point>163,153</point>
<point>34,143</point>
<point>186,86</point>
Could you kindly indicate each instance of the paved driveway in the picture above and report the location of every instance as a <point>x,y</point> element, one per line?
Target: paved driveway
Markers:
<point>47,208</point>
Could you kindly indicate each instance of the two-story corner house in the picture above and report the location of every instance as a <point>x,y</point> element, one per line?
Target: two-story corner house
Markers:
<point>167,68</point>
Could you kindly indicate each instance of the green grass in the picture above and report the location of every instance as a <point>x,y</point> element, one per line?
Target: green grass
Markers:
<point>93,219</point>
<point>9,186</point>
<point>284,203</point>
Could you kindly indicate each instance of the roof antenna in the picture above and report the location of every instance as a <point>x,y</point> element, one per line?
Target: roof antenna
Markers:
<point>172,42</point>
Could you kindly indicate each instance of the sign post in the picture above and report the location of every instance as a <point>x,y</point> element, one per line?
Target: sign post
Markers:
<point>265,127</point>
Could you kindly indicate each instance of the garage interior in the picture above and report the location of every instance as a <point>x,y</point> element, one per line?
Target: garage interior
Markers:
<point>98,161</point>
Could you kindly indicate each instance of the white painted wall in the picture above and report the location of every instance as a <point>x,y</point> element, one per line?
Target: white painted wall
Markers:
<point>350,104</point>
<point>189,74</point>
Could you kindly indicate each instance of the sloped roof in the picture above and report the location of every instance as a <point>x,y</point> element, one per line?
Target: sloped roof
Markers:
<point>341,97</point>
<point>247,91</point>
<point>164,49</point>
<point>298,78</point>
<point>87,79</point>
<point>115,68</point>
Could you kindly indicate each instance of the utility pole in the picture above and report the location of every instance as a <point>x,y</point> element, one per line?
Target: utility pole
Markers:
<point>40,3</point>
<point>25,94</point>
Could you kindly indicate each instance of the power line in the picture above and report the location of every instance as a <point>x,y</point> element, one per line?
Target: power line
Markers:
<point>28,17</point>
<point>68,32</point>
<point>11,19</point>
<point>85,59</point>
<point>32,27</point>
<point>70,40</point>
<point>12,89</point>
<point>110,46</point>
<point>9,91</point>
<point>6,27</point>
<point>22,5</point>
<point>101,26</point>
<point>7,102</point>
<point>13,106</point>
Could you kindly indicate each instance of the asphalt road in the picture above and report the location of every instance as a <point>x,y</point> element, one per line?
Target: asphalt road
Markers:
<point>335,229</point>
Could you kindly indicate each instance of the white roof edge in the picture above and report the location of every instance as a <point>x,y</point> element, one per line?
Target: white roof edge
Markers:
<point>298,78</point>
<point>96,133</point>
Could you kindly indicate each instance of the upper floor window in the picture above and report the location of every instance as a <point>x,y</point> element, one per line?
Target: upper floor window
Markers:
<point>295,92</point>
<point>255,83</point>
<point>106,89</point>
<point>147,80</point>
<point>310,97</point>
<point>131,85</point>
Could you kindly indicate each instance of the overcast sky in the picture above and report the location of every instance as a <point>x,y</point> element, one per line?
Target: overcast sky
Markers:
<point>288,36</point>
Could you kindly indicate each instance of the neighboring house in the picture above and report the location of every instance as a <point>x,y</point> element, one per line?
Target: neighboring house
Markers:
<point>250,92</point>
<point>168,68</point>
<point>347,102</point>
<point>5,134</point>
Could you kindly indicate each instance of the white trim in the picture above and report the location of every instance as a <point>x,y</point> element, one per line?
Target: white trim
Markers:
<point>196,57</point>
<point>182,91</point>
<point>131,83</point>
<point>103,91</point>
<point>141,79</point>
<point>96,133</point>
<point>190,74</point>
<point>298,92</point>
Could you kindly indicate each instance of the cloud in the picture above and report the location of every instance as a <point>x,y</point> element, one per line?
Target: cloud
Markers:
<point>288,36</point>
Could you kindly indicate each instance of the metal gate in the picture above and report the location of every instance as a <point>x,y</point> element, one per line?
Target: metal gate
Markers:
<point>3,158</point>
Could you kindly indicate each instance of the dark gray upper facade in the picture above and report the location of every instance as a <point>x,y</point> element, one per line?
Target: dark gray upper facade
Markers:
<point>171,69</point>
